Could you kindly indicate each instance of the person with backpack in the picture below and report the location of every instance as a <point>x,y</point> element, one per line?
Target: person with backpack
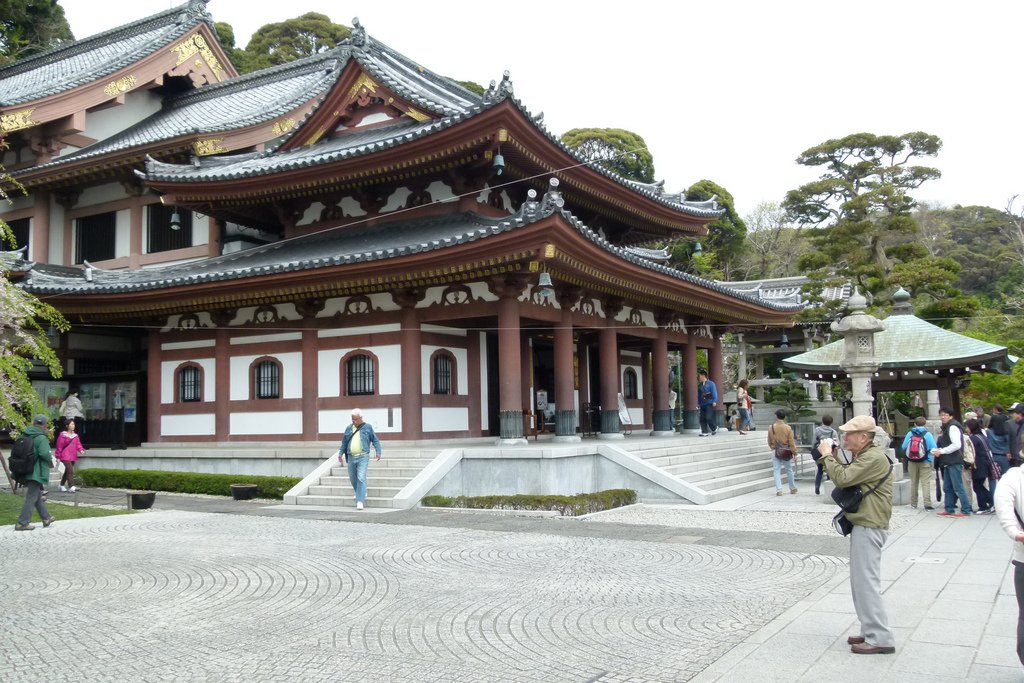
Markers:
<point>949,454</point>
<point>917,446</point>
<point>983,466</point>
<point>821,432</point>
<point>36,436</point>
<point>998,442</point>
<point>1015,433</point>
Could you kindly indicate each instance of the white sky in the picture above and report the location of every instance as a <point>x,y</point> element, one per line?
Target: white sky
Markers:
<point>730,91</point>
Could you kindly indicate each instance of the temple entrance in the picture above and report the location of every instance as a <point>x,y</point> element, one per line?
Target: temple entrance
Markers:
<point>544,380</point>
<point>492,385</point>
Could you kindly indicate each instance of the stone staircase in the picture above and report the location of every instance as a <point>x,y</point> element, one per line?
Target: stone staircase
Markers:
<point>384,480</point>
<point>724,466</point>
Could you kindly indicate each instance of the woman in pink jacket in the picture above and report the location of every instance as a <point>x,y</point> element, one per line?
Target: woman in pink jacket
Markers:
<point>68,448</point>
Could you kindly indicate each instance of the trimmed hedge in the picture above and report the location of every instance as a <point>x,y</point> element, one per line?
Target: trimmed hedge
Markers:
<point>567,506</point>
<point>185,482</point>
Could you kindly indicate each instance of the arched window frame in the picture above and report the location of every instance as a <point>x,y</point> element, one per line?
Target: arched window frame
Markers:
<point>344,371</point>
<point>178,379</point>
<point>254,385</point>
<point>630,384</point>
<point>453,383</point>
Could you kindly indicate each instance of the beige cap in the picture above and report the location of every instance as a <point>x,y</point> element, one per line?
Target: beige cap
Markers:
<point>861,423</point>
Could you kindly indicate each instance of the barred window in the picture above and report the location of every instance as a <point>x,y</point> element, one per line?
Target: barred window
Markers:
<point>267,380</point>
<point>359,379</point>
<point>20,228</point>
<point>190,384</point>
<point>161,235</point>
<point>629,384</point>
<point>96,237</point>
<point>442,374</point>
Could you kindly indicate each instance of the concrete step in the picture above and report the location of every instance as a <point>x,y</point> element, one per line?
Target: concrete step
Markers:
<point>740,489</point>
<point>388,492</point>
<point>700,476</point>
<point>734,479</point>
<point>344,501</point>
<point>711,456</point>
<point>686,468</point>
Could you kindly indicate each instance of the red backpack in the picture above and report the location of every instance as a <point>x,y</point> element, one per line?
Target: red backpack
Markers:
<point>917,451</point>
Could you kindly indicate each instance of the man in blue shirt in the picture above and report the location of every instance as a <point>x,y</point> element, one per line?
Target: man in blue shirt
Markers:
<point>707,402</point>
<point>919,462</point>
<point>355,452</point>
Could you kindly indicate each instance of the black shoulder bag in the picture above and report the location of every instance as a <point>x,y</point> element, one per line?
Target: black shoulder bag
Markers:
<point>849,499</point>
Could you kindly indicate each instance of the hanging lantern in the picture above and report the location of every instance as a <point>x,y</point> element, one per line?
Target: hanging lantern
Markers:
<point>175,220</point>
<point>545,289</point>
<point>499,162</point>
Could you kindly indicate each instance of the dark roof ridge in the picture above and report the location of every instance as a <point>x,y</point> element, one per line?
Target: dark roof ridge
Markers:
<point>109,36</point>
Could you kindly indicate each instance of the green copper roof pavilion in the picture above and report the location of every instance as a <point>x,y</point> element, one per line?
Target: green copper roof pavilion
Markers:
<point>909,348</point>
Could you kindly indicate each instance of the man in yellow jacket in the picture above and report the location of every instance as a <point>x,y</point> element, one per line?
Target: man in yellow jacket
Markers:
<point>868,467</point>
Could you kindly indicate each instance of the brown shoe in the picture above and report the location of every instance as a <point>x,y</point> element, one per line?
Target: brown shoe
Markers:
<point>48,522</point>
<point>855,640</point>
<point>867,649</point>
<point>23,527</point>
<point>792,490</point>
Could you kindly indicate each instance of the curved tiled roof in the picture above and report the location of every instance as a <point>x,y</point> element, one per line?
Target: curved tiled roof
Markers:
<point>92,58</point>
<point>907,343</point>
<point>349,245</point>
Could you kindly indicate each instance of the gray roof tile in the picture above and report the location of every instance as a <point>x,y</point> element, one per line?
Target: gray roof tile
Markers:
<point>92,58</point>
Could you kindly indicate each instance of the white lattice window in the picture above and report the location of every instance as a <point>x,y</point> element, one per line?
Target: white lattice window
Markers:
<point>864,342</point>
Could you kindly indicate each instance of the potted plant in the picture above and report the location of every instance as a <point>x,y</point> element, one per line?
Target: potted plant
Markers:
<point>243,491</point>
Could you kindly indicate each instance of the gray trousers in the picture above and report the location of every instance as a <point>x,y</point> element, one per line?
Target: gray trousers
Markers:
<point>33,499</point>
<point>866,584</point>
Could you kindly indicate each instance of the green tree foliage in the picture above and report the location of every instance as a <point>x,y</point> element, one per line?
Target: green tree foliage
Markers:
<point>471,86</point>
<point>861,205</point>
<point>284,41</point>
<point>773,244</point>
<point>28,27</point>
<point>22,339</point>
<point>793,397</point>
<point>616,150</point>
<point>727,234</point>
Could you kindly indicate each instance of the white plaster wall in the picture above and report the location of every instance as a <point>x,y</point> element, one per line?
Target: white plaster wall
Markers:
<point>453,331</point>
<point>373,118</point>
<point>123,234</point>
<point>445,419</point>
<point>200,230</point>
<point>312,214</point>
<point>636,415</point>
<point>389,369</point>
<point>484,406</point>
<point>396,200</point>
<point>167,368</point>
<point>461,367</point>
<point>101,194</point>
<point>335,421</point>
<point>67,150</point>
<point>138,104</point>
<point>188,425</point>
<point>264,338</point>
<point>17,201</point>
<point>56,249</point>
<point>352,331</point>
<point>350,207</point>
<point>164,264</point>
<point>439,191</point>
<point>199,344</point>
<point>378,302</point>
<point>480,291</point>
<point>276,422</point>
<point>291,385</point>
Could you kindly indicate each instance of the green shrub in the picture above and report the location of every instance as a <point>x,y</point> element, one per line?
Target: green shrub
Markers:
<point>567,506</point>
<point>185,482</point>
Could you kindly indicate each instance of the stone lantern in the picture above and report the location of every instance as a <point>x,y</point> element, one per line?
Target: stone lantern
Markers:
<point>858,331</point>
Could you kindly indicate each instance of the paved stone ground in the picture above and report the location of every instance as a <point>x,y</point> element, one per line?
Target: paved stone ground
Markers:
<point>181,595</point>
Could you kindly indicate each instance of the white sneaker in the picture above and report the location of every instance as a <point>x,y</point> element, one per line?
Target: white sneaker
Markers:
<point>359,506</point>
<point>73,489</point>
<point>65,488</point>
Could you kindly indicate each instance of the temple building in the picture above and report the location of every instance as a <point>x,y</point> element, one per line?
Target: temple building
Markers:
<point>248,258</point>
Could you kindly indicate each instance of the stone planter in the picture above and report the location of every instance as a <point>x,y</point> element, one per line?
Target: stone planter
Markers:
<point>142,500</point>
<point>243,491</point>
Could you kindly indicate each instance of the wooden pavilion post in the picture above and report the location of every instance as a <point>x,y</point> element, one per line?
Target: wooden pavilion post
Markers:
<point>565,413</point>
<point>661,415</point>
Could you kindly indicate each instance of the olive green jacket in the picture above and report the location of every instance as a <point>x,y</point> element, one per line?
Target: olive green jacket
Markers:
<point>867,468</point>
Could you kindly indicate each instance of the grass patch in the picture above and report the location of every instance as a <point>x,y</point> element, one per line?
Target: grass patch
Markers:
<point>567,506</point>
<point>10,508</point>
<point>185,482</point>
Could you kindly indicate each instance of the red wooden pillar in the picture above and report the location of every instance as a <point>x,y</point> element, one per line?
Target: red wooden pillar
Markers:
<point>412,375</point>
<point>510,398</point>
<point>153,387</point>
<point>310,385</point>
<point>526,372</point>
<point>609,380</point>
<point>565,413</point>
<point>691,413</point>
<point>41,229</point>
<point>222,388</point>
<point>645,383</point>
